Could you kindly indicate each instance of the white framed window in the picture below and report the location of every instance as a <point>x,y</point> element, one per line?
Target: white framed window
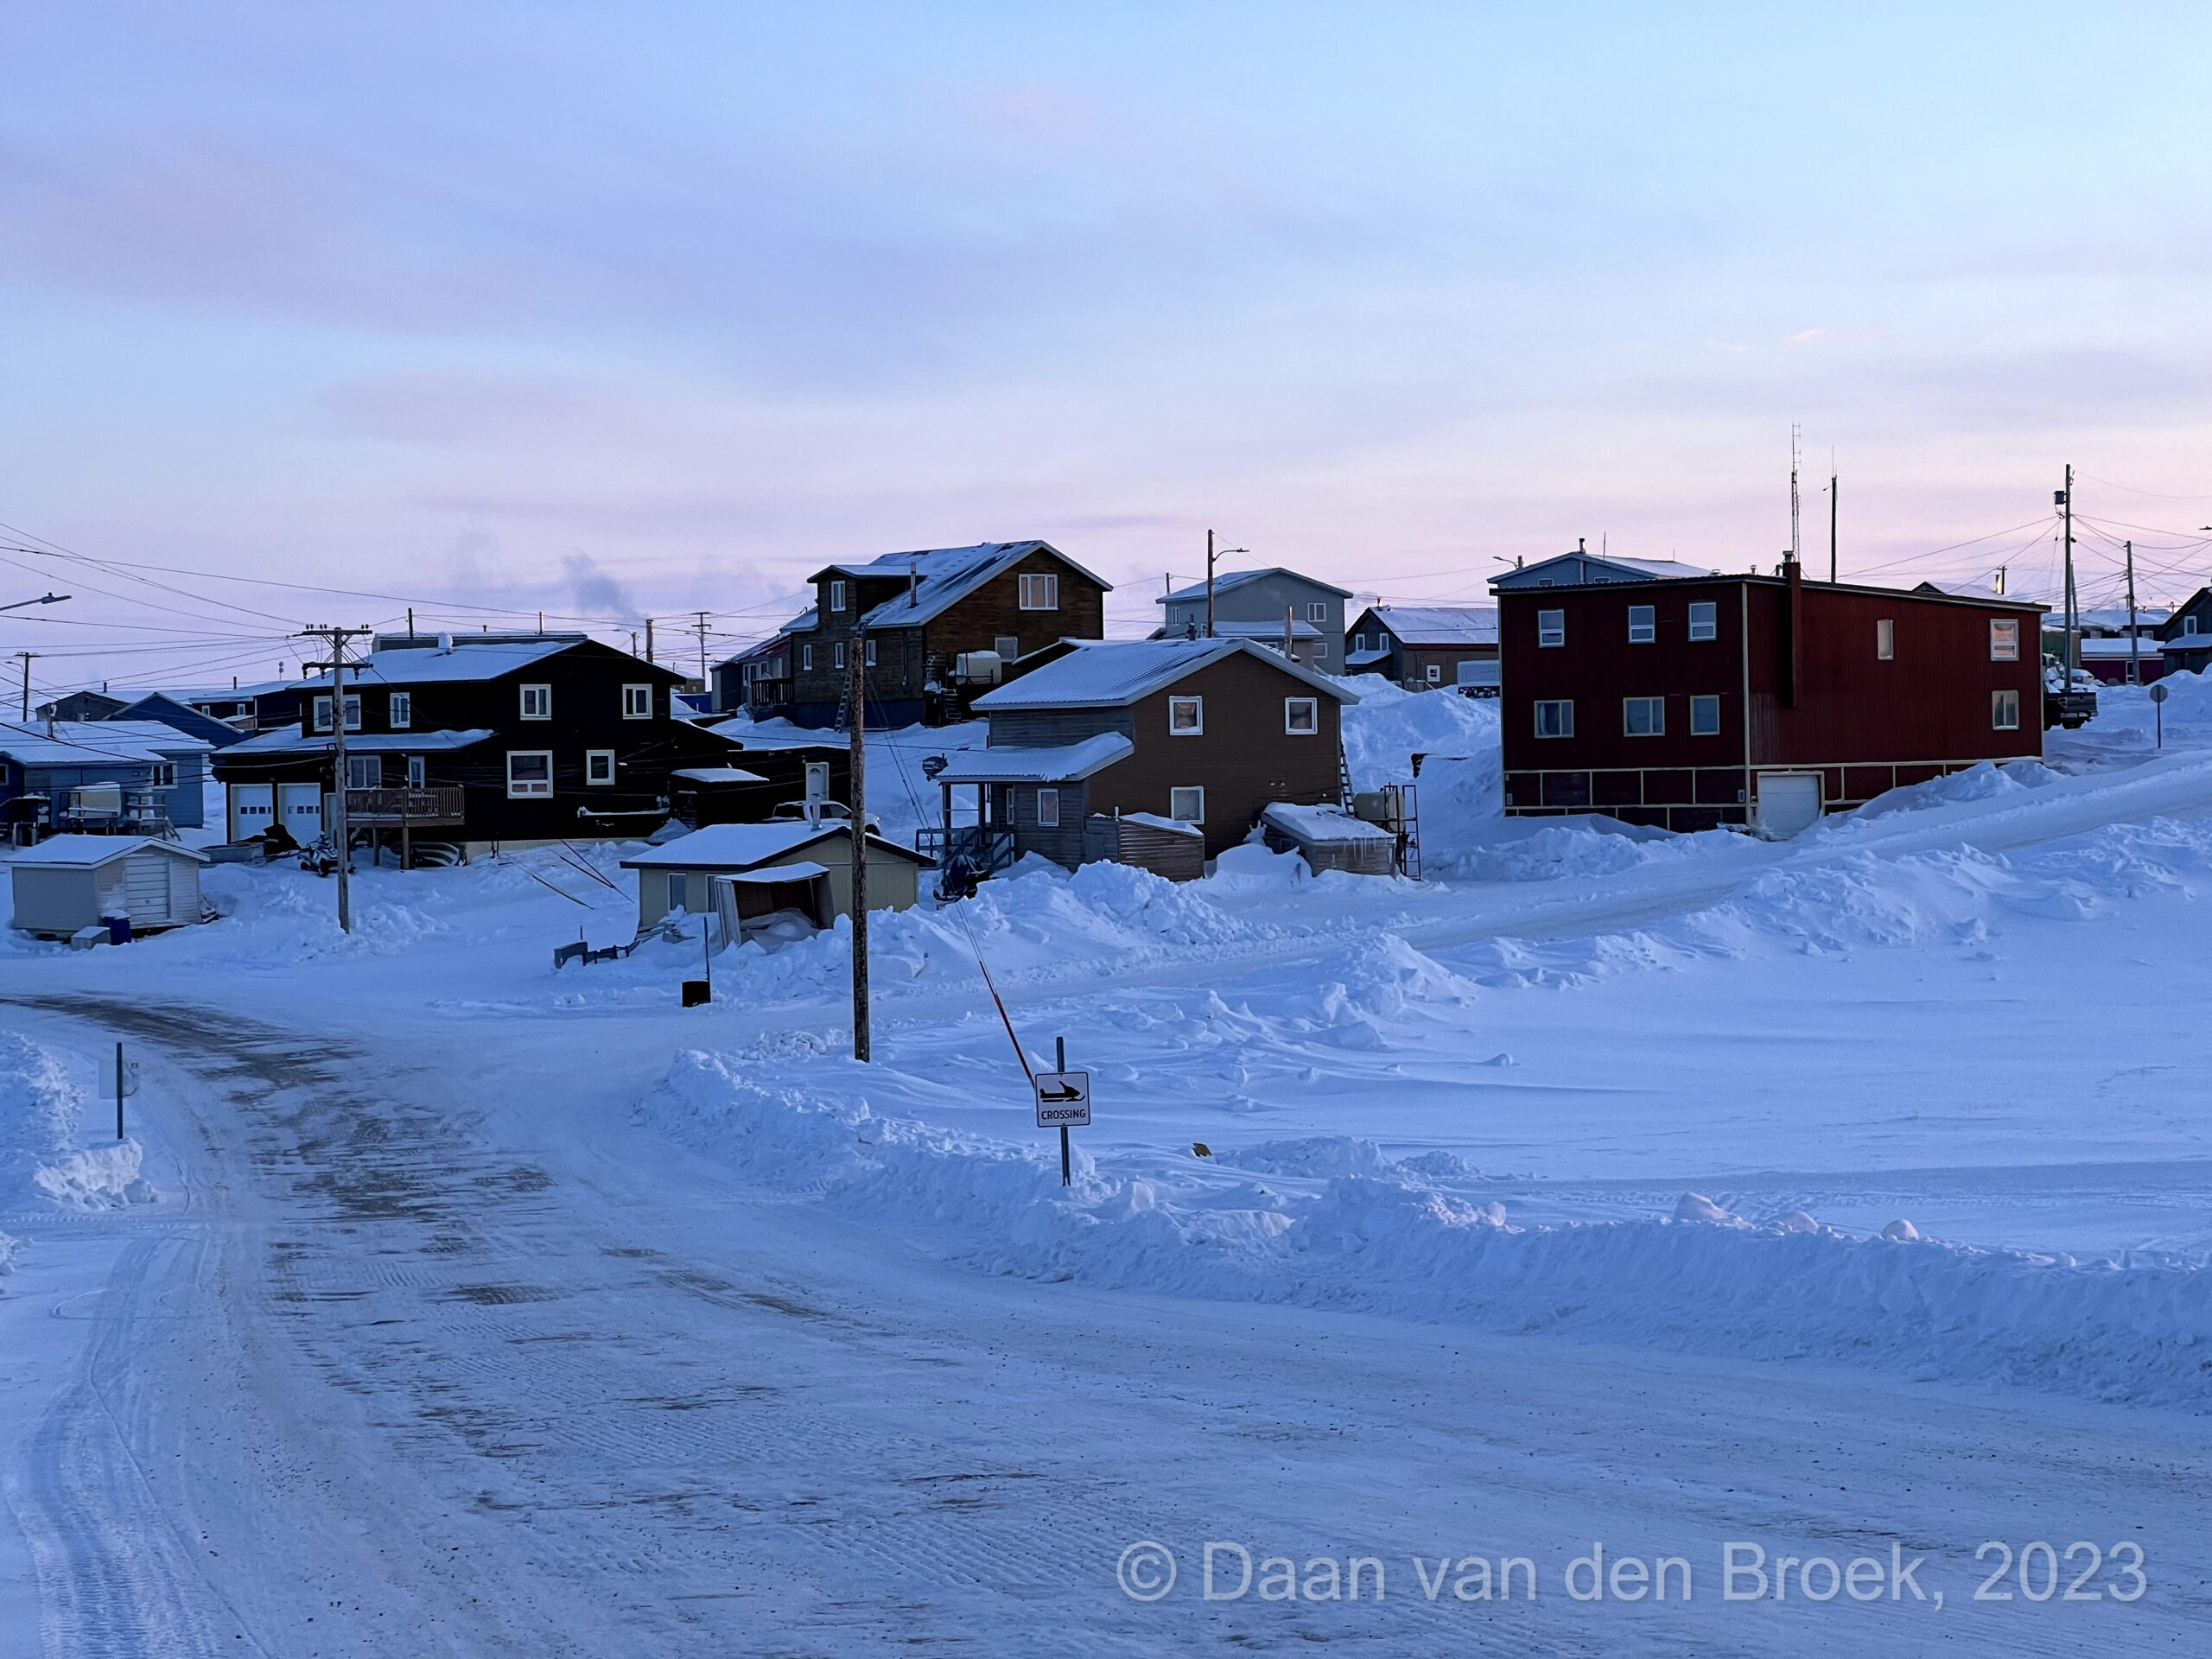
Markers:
<point>1885,640</point>
<point>417,774</point>
<point>637,703</point>
<point>1317,610</point>
<point>1187,805</point>
<point>321,715</point>
<point>399,712</point>
<point>806,659</point>
<point>2004,638</point>
<point>1008,646</point>
<point>1551,628</point>
<point>1643,624</point>
<point>871,653</point>
<point>1041,592</point>
<point>1048,809</point>
<point>1302,716</point>
<point>1643,716</point>
<point>1186,716</point>
<point>529,773</point>
<point>836,596</point>
<point>837,654</point>
<point>1434,674</point>
<point>1555,719</point>
<point>537,703</point>
<point>599,766</point>
<point>164,775</point>
<point>352,713</point>
<point>1705,716</point>
<point>1359,642</point>
<point>2188,626</point>
<point>364,771</point>
<point>1705,619</point>
<point>2005,711</point>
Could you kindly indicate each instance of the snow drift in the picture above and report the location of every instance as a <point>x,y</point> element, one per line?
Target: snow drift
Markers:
<point>41,1104</point>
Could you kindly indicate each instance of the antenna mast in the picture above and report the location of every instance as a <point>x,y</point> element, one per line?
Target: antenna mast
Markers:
<point>1795,552</point>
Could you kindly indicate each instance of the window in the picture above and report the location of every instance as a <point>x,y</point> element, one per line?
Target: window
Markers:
<point>2188,626</point>
<point>1318,611</point>
<point>322,714</point>
<point>599,766</point>
<point>1885,640</point>
<point>1643,624</point>
<point>806,657</point>
<point>1187,805</point>
<point>871,653</point>
<point>1186,716</point>
<point>836,596</point>
<point>2005,711</point>
<point>401,711</point>
<point>1302,716</point>
<point>1555,719</point>
<point>1359,642</point>
<point>537,703</point>
<point>1008,646</point>
<point>164,775</point>
<point>1705,619</point>
<point>1551,628</point>
<point>2004,639</point>
<point>637,703</point>
<point>1048,809</point>
<point>1041,592</point>
<point>364,772</point>
<point>1433,673</point>
<point>352,713</point>
<point>529,772</point>
<point>1643,716</point>
<point>677,890</point>
<point>1705,716</point>
<point>416,776</point>
<point>839,651</point>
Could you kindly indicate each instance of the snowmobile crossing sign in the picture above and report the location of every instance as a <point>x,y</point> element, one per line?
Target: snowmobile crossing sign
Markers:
<point>1063,1100</point>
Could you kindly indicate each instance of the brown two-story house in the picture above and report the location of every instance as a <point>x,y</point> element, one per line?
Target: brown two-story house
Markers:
<point>918,615</point>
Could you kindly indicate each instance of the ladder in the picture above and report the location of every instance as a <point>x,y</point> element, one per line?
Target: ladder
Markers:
<point>845,704</point>
<point>1344,780</point>
<point>1407,824</point>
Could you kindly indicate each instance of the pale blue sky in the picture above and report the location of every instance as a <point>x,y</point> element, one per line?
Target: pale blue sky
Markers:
<point>657,307</point>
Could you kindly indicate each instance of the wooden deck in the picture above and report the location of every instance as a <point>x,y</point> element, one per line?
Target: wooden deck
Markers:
<point>408,808</point>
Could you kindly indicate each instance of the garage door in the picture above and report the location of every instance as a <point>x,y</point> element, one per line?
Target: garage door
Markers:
<point>302,805</point>
<point>252,810</point>
<point>1789,803</point>
<point>146,888</point>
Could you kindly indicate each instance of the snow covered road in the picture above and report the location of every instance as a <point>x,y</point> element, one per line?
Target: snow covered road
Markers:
<point>435,1355</point>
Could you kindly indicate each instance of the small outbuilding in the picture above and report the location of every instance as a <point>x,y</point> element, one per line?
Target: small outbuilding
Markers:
<point>1167,846</point>
<point>772,863</point>
<point>71,882</point>
<point>1330,840</point>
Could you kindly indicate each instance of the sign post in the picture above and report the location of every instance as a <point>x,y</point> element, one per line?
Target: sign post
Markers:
<point>2159,696</point>
<point>123,1080</point>
<point>1062,1103</point>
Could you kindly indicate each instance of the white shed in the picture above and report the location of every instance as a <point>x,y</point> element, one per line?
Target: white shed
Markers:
<point>77,881</point>
<point>683,872</point>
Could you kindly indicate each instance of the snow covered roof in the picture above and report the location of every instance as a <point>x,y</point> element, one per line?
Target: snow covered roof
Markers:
<point>1320,824</point>
<point>941,577</point>
<point>1575,569</point>
<point>1365,658</point>
<point>1154,821</point>
<point>1225,581</point>
<point>1260,631</point>
<point>287,739</point>
<point>1112,674</point>
<point>1065,763</point>
<point>95,742</point>
<point>227,693</point>
<point>2118,648</point>
<point>1438,625</point>
<point>749,735</point>
<point>717,775</point>
<point>82,852</point>
<point>732,847</point>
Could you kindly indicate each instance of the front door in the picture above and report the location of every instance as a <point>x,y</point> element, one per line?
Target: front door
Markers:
<point>301,807</point>
<point>252,810</point>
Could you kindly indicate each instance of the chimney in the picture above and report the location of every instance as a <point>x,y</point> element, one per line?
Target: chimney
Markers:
<point>445,642</point>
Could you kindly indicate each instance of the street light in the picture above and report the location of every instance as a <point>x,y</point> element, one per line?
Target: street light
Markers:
<point>50,599</point>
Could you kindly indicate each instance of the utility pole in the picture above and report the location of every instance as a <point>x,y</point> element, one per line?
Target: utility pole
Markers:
<point>340,833</point>
<point>700,628</point>
<point>2134,648</point>
<point>1209,584</point>
<point>648,639</point>
<point>27,656</point>
<point>856,667</point>
<point>2066,500</point>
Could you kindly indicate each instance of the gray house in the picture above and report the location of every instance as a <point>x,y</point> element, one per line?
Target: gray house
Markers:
<point>1258,605</point>
<point>108,775</point>
<point>1423,645</point>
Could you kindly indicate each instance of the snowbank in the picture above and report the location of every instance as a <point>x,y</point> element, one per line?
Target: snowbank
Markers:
<point>1341,1225</point>
<point>41,1104</point>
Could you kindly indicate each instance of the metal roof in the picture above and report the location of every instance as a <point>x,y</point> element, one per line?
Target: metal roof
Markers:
<point>287,739</point>
<point>941,578</point>
<point>84,851</point>
<point>1579,570</point>
<point>95,742</point>
<point>1062,763</point>
<point>1225,580</point>
<point>746,845</point>
<point>1112,674</point>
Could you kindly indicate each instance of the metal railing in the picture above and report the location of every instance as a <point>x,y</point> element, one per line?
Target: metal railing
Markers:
<point>440,804</point>
<point>987,847</point>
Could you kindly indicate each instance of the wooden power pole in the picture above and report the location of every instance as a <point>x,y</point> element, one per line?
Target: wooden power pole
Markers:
<point>2134,646</point>
<point>27,656</point>
<point>1209,584</point>
<point>856,666</point>
<point>340,832</point>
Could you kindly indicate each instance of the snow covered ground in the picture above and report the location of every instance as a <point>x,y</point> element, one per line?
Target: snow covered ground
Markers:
<point>1607,1187</point>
